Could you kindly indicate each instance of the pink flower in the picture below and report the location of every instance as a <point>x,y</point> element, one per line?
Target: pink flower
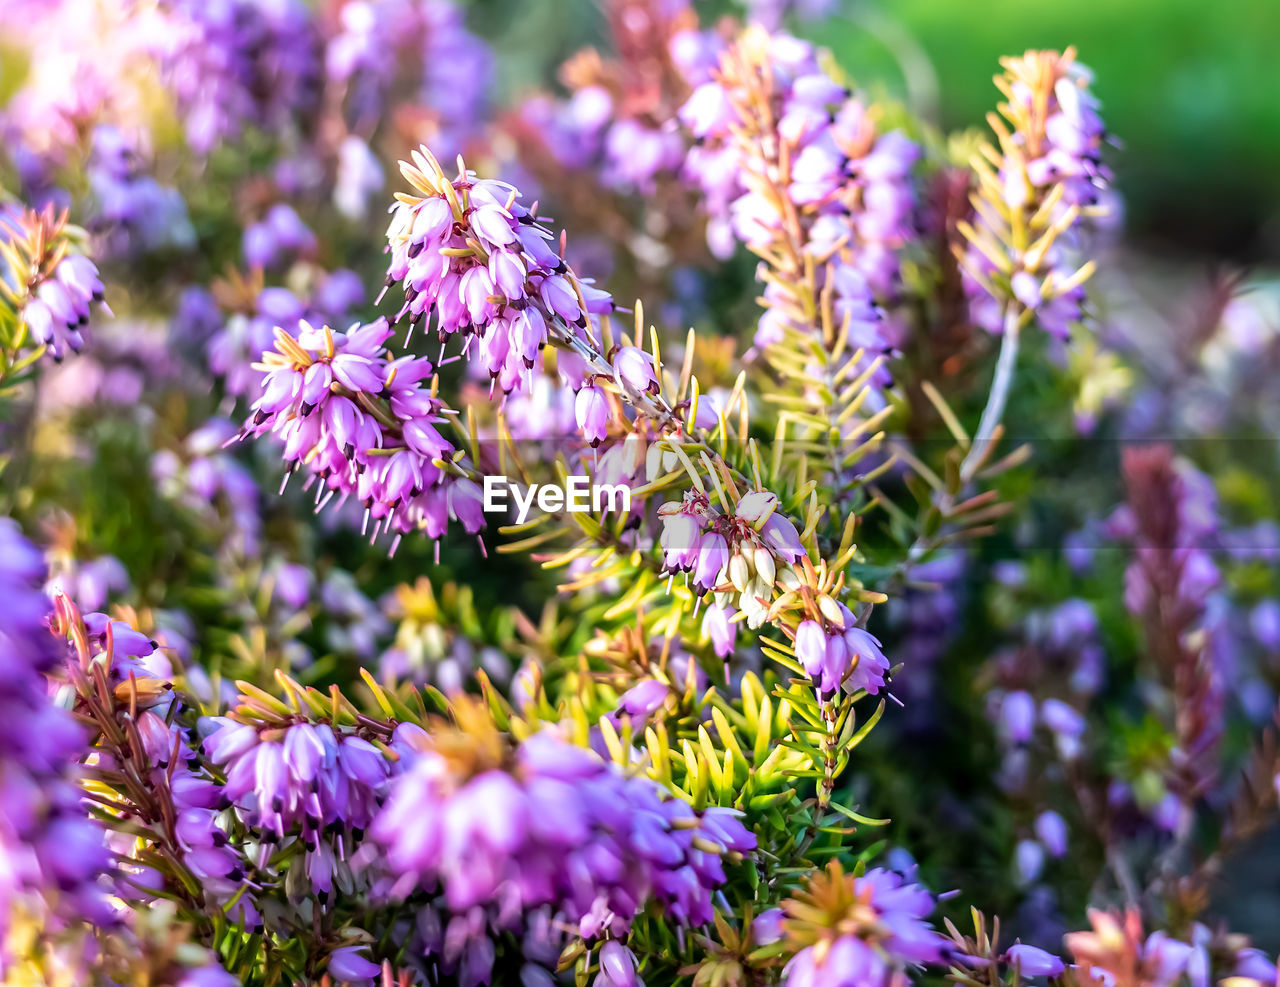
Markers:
<point>591,409</point>
<point>633,367</point>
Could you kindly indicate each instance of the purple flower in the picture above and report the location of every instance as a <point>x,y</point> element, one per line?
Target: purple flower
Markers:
<point>870,664</point>
<point>681,540</point>
<point>1254,965</point>
<point>870,929</point>
<point>824,656</point>
<point>633,367</point>
<point>617,966</point>
<point>782,538</point>
<point>347,964</point>
<point>1018,716</point>
<point>723,632</point>
<point>1028,857</point>
<point>212,975</point>
<point>510,289</point>
<point>1264,622</point>
<point>1051,831</point>
<point>713,556</point>
<point>591,409</point>
<point>1033,961</point>
<point>1061,719</point>
<point>52,850</point>
<point>766,928</point>
<point>555,830</point>
<point>643,700</point>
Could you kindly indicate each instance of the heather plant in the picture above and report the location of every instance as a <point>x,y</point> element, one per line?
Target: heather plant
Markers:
<point>834,683</point>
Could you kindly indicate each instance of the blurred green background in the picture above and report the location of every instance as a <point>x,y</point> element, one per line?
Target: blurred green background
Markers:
<point>1191,90</point>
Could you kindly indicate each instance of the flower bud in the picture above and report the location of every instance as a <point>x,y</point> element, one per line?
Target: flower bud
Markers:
<point>831,610</point>
<point>765,567</point>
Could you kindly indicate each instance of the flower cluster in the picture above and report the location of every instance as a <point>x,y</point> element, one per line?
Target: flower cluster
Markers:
<point>50,289</point>
<point>618,120</point>
<point>551,824</point>
<point>236,64</point>
<point>475,262</point>
<point>858,931</point>
<point>376,39</point>
<point>133,211</point>
<point>1035,197</point>
<point>797,168</point>
<point>204,474</point>
<point>839,654</point>
<point>631,744</point>
<point>303,779</point>
<point>1169,518</point>
<point>364,425</point>
<point>52,852</point>
<point>139,731</point>
<point>739,556</point>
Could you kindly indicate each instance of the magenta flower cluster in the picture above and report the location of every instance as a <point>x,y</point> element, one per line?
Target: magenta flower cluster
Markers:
<point>475,263</point>
<point>841,655</point>
<point>307,781</point>
<point>52,852</point>
<point>231,64</point>
<point>1058,166</point>
<point>887,932</point>
<point>560,828</point>
<point>849,184</point>
<point>364,425</point>
<point>733,554</point>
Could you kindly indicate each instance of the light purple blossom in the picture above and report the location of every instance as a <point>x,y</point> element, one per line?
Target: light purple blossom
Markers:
<point>1051,831</point>
<point>1033,961</point>
<point>348,964</point>
<point>1018,716</point>
<point>237,64</point>
<point>886,934</point>
<point>553,831</point>
<point>476,263</point>
<point>52,851</point>
<point>722,631</point>
<point>364,425</point>
<point>850,188</point>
